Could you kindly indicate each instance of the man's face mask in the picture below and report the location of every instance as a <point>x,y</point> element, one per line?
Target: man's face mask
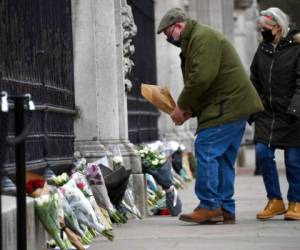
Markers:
<point>268,36</point>
<point>171,40</point>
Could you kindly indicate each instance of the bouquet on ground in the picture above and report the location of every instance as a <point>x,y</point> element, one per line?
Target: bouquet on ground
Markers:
<point>47,212</point>
<point>156,164</point>
<point>129,204</point>
<point>83,209</point>
<point>59,180</point>
<point>72,222</point>
<point>72,237</point>
<point>97,184</point>
<point>84,187</point>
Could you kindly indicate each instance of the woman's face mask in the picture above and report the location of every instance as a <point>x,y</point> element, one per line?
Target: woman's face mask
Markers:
<point>268,36</point>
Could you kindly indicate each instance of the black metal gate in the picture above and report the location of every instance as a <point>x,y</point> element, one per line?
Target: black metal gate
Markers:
<point>36,57</point>
<point>142,116</point>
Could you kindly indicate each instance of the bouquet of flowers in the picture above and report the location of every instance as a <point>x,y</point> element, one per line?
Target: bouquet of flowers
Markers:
<point>80,162</point>
<point>97,184</point>
<point>156,164</point>
<point>60,179</point>
<point>73,238</point>
<point>129,204</point>
<point>151,158</point>
<point>46,210</point>
<point>117,158</point>
<point>84,187</point>
<point>160,168</point>
<point>83,209</point>
<point>71,220</point>
<point>173,202</point>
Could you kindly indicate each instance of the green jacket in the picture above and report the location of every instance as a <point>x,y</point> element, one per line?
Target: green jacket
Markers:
<point>216,86</point>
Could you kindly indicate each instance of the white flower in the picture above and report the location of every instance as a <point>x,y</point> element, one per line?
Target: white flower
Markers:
<point>117,159</point>
<point>162,161</point>
<point>55,196</point>
<point>152,150</point>
<point>161,156</point>
<point>42,199</point>
<point>155,162</point>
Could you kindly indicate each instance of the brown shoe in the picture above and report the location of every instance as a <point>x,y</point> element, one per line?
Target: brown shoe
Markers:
<point>293,212</point>
<point>203,216</point>
<point>228,218</point>
<point>273,208</point>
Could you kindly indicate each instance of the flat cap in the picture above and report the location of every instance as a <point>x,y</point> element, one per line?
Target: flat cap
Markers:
<point>172,16</point>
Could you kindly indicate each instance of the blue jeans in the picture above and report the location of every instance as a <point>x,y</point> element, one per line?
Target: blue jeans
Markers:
<point>266,159</point>
<point>216,151</point>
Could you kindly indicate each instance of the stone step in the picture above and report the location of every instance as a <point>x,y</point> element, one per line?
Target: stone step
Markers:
<point>36,235</point>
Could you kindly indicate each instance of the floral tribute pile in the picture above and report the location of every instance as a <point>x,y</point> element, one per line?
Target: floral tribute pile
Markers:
<point>79,206</point>
<point>75,208</point>
<point>167,168</point>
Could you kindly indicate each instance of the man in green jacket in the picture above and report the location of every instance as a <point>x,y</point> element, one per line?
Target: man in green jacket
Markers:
<point>218,92</point>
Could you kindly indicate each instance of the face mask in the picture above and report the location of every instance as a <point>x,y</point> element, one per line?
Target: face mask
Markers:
<point>268,36</point>
<point>171,40</point>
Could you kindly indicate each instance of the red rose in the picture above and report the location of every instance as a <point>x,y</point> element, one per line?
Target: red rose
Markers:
<point>80,185</point>
<point>32,185</point>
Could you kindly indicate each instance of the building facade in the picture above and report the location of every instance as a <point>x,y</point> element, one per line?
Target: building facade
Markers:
<point>84,62</point>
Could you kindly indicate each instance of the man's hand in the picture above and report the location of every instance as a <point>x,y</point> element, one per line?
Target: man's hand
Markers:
<point>179,116</point>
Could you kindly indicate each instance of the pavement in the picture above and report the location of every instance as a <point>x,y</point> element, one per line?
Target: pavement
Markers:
<point>168,233</point>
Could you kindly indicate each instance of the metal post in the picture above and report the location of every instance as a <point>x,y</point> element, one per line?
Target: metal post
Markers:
<point>20,176</point>
<point>3,145</point>
<point>2,157</point>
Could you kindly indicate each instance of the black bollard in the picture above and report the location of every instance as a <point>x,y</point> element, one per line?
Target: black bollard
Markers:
<point>3,147</point>
<point>20,175</point>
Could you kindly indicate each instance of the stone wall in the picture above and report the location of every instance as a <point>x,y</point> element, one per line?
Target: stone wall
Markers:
<point>36,234</point>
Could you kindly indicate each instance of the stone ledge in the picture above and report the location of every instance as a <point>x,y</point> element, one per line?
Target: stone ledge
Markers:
<point>36,235</point>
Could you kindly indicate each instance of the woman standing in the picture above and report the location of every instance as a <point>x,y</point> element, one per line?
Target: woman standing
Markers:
<point>275,73</point>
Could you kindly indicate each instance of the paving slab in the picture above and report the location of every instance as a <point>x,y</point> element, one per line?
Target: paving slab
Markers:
<point>168,233</point>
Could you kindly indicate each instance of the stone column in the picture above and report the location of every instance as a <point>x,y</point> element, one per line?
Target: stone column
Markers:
<point>246,42</point>
<point>100,85</point>
<point>86,88</point>
<point>215,13</point>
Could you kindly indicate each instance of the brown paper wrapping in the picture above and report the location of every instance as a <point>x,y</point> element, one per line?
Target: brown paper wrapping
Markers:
<point>159,96</point>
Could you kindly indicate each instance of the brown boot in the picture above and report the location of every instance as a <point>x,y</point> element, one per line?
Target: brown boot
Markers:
<point>293,212</point>
<point>273,208</point>
<point>203,216</point>
<point>228,218</point>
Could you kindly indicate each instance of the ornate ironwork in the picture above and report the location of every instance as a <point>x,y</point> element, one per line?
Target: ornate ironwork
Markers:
<point>129,31</point>
<point>36,57</point>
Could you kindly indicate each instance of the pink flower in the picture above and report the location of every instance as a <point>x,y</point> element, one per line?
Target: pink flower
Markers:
<point>80,185</point>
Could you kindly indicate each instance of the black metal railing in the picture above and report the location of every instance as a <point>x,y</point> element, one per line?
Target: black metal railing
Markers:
<point>21,131</point>
<point>37,58</point>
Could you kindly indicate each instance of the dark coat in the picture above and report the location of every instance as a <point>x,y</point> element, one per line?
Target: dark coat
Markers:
<point>275,74</point>
<point>216,86</point>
